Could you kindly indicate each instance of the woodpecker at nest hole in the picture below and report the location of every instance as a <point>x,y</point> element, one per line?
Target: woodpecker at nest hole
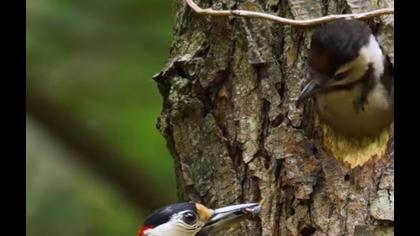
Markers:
<point>194,219</point>
<point>352,79</point>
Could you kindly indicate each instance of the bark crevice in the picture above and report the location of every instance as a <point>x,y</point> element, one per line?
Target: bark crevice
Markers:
<point>236,135</point>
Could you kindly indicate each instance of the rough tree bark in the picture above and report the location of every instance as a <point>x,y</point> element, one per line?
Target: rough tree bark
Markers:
<point>236,135</point>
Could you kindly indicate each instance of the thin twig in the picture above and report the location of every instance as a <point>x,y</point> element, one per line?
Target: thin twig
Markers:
<point>310,22</point>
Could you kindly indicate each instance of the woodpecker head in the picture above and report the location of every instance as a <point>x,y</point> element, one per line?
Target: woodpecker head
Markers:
<point>189,219</point>
<point>340,55</point>
<point>352,79</point>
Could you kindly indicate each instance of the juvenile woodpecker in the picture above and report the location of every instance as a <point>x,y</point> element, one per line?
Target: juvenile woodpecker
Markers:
<point>352,79</point>
<point>190,219</point>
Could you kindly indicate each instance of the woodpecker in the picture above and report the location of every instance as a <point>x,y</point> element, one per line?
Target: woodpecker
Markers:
<point>194,219</point>
<point>352,79</point>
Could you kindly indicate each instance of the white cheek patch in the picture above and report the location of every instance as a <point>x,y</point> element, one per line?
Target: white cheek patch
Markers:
<point>369,54</point>
<point>373,54</point>
<point>172,228</point>
<point>356,69</point>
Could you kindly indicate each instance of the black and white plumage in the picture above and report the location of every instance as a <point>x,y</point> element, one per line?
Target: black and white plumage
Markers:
<point>194,219</point>
<point>184,217</point>
<point>353,80</point>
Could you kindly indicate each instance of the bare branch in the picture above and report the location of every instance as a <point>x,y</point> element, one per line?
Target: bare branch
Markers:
<point>281,20</point>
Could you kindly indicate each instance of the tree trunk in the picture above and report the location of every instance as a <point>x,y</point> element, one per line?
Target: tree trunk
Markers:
<point>236,135</point>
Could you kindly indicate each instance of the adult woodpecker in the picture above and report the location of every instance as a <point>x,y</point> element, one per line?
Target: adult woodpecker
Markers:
<point>352,79</point>
<point>194,219</point>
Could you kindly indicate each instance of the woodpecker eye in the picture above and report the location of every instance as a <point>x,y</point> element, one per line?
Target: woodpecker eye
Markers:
<point>189,218</point>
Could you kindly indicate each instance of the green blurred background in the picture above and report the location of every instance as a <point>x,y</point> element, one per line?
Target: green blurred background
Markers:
<point>96,163</point>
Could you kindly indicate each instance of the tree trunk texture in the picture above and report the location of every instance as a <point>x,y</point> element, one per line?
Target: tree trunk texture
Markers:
<point>231,124</point>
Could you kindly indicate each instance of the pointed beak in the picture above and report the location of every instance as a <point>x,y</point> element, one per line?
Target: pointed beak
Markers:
<point>227,217</point>
<point>309,90</point>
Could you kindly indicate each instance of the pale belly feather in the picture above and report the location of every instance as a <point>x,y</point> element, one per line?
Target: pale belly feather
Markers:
<point>339,111</point>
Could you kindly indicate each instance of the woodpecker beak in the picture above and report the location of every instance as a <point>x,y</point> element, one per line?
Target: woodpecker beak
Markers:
<point>310,89</point>
<point>228,217</point>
